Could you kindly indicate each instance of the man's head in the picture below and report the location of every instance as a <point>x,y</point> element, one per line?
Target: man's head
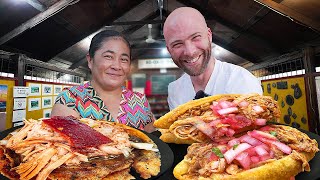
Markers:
<point>188,40</point>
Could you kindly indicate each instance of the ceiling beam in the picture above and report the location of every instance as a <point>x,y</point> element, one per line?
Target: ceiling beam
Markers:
<point>45,65</point>
<point>141,22</point>
<point>149,19</point>
<point>260,14</point>
<point>52,10</point>
<point>36,4</point>
<point>291,14</point>
<point>78,63</point>
<point>234,50</point>
<point>148,46</point>
<point>276,60</point>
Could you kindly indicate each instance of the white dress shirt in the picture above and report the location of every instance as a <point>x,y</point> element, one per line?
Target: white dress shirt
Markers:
<point>226,78</point>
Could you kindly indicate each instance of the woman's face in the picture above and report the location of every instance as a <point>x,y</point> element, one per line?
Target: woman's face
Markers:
<point>110,64</point>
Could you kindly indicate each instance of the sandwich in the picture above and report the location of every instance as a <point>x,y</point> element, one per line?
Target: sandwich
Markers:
<point>68,148</point>
<point>217,118</point>
<point>275,152</point>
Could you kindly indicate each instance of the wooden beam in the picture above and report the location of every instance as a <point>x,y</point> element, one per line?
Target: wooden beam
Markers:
<point>21,69</point>
<point>142,22</point>
<point>291,13</point>
<point>309,66</point>
<point>276,60</point>
<point>80,62</point>
<point>52,10</point>
<point>37,63</point>
<point>36,4</point>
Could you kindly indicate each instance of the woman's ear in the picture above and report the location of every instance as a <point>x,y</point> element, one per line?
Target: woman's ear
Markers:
<point>90,61</point>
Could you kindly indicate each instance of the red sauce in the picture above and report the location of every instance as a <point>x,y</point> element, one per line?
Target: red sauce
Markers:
<point>79,134</point>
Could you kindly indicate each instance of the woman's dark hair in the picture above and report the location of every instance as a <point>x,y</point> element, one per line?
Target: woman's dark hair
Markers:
<point>97,40</point>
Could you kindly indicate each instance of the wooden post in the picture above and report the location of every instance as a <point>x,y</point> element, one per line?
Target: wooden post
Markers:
<point>21,70</point>
<point>309,65</point>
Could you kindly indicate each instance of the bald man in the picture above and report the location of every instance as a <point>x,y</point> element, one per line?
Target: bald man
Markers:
<point>188,40</point>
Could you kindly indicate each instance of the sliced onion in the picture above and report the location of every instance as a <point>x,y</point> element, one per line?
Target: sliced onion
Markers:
<point>215,103</point>
<point>146,146</point>
<point>215,122</point>
<point>224,104</point>
<point>205,128</point>
<point>227,110</point>
<point>251,151</point>
<point>244,159</point>
<point>255,159</point>
<point>261,151</point>
<point>223,130</point>
<point>126,152</point>
<point>258,109</point>
<point>215,109</point>
<point>257,134</point>
<point>260,122</point>
<point>232,153</point>
<point>233,142</point>
<point>265,157</point>
<point>282,147</point>
<point>243,104</point>
<point>250,140</point>
<point>230,132</point>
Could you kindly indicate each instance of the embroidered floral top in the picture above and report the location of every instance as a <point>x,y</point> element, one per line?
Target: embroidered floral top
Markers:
<point>134,107</point>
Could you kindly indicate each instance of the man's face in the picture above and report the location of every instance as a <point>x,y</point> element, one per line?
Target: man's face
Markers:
<point>190,48</point>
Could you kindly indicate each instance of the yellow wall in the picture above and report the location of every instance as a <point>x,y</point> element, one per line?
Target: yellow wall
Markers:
<point>299,107</point>
<point>9,107</point>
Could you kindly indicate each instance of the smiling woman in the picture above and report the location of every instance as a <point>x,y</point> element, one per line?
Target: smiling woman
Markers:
<point>105,97</point>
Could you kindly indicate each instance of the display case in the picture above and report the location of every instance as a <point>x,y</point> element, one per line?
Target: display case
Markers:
<point>159,105</point>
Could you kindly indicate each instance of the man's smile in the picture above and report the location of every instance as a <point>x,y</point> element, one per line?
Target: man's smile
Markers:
<point>191,61</point>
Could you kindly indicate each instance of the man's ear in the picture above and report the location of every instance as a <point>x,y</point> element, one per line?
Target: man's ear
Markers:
<point>168,49</point>
<point>89,60</point>
<point>210,34</point>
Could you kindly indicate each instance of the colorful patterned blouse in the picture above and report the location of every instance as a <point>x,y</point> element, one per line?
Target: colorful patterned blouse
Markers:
<point>134,107</point>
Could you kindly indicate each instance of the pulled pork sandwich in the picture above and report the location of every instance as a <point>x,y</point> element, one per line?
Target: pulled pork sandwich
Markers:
<point>273,152</point>
<point>67,148</point>
<point>216,118</point>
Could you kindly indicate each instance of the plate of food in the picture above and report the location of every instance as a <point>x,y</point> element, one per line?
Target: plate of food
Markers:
<point>235,136</point>
<point>66,148</point>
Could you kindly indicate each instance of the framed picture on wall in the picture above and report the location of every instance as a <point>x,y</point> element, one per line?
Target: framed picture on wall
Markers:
<point>47,102</point>
<point>19,103</point>
<point>34,89</point>
<point>3,97</point>
<point>57,89</point>
<point>18,115</point>
<point>46,89</point>
<point>34,104</point>
<point>47,113</point>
